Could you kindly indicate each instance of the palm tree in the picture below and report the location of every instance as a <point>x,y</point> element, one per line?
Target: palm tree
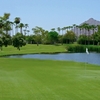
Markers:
<point>85,27</point>
<point>93,27</point>
<point>58,29</point>
<point>77,31</point>
<point>80,27</point>
<point>53,29</point>
<point>70,27</point>
<point>11,25</point>
<point>26,26</point>
<point>74,27</point>
<point>62,30</point>
<point>21,25</point>
<point>28,31</point>
<point>25,31</point>
<point>88,27</point>
<point>62,34</point>
<point>67,28</point>
<point>16,21</point>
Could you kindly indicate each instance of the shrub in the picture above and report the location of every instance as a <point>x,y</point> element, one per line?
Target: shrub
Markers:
<point>82,48</point>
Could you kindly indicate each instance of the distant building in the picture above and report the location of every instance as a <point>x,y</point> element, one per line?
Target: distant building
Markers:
<point>90,21</point>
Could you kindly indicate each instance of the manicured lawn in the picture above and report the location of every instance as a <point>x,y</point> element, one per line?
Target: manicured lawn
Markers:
<point>33,48</point>
<point>30,79</point>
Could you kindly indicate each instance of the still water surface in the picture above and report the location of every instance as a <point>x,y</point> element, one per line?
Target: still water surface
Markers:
<point>92,58</point>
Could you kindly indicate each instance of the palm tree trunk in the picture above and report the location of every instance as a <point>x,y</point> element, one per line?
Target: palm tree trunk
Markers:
<point>16,29</point>
<point>62,36</point>
<point>12,31</point>
<point>88,37</point>
<point>21,30</point>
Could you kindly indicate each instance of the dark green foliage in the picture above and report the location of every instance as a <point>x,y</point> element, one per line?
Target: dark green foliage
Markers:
<point>1,43</point>
<point>1,23</point>
<point>18,41</point>
<point>6,40</point>
<point>53,37</point>
<point>82,48</point>
<point>89,39</point>
<point>30,39</point>
<point>69,37</point>
<point>37,39</point>
<point>76,48</point>
<point>96,37</point>
<point>17,20</point>
<point>83,39</point>
<point>60,39</point>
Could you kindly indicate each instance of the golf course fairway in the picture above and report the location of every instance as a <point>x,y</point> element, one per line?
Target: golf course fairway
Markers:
<point>33,79</point>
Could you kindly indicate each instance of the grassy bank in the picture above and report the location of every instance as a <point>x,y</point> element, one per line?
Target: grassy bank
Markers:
<point>33,49</point>
<point>29,79</point>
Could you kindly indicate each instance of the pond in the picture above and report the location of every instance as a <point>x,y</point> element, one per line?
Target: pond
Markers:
<point>92,58</point>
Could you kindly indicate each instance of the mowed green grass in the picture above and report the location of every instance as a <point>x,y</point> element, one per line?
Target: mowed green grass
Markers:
<point>33,48</point>
<point>30,79</point>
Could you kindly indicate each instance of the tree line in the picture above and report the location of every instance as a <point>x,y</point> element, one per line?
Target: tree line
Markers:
<point>83,34</point>
<point>11,35</point>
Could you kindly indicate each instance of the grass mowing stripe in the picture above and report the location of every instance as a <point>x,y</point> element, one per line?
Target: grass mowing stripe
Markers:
<point>30,79</point>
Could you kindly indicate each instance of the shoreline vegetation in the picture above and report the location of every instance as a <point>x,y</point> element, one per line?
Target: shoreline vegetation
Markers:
<point>48,49</point>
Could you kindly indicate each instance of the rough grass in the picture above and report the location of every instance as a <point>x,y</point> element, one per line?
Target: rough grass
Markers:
<point>29,79</point>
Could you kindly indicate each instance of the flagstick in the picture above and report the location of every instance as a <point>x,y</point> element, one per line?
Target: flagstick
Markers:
<point>87,52</point>
<point>85,64</point>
